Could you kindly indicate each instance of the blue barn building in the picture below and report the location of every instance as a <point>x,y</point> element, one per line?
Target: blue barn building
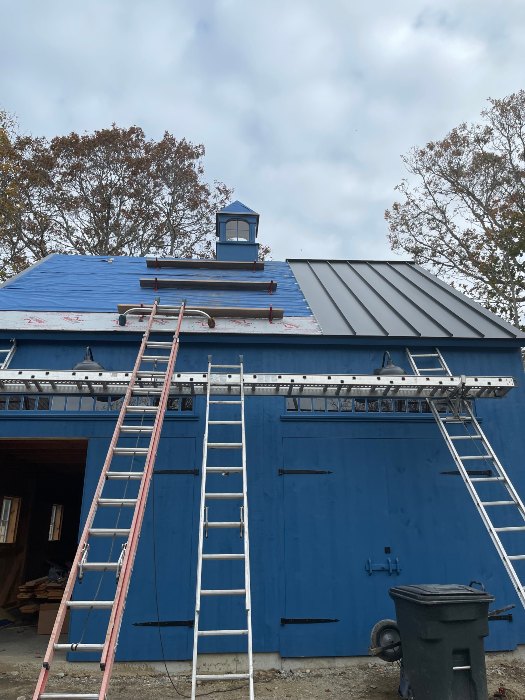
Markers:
<point>348,496</point>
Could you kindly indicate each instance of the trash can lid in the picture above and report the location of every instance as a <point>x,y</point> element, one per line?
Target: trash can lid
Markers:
<point>439,594</point>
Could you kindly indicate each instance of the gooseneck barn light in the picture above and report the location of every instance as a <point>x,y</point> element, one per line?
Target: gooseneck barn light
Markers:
<point>88,364</point>
<point>388,367</point>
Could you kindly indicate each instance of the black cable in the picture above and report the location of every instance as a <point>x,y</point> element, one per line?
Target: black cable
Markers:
<point>179,693</point>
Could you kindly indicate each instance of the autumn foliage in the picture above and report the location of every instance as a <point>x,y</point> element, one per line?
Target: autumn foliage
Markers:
<point>112,192</point>
<point>462,207</point>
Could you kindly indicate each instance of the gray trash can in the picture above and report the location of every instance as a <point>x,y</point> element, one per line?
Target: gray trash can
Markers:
<point>442,629</point>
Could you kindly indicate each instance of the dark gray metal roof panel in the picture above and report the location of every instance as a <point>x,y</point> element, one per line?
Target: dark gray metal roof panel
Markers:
<point>392,299</point>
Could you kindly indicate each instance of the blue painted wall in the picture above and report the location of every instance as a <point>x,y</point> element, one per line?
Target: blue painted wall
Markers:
<point>311,535</point>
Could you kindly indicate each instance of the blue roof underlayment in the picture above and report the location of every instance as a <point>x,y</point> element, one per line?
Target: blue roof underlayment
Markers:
<point>91,283</point>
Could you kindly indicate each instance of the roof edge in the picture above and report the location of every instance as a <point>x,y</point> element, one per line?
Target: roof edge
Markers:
<point>28,269</point>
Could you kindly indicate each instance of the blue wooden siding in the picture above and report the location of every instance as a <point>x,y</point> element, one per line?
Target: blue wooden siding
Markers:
<point>311,535</point>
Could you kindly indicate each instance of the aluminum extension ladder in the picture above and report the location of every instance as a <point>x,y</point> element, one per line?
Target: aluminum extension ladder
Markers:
<point>233,417</point>
<point>490,487</point>
<point>135,404</point>
<point>6,354</point>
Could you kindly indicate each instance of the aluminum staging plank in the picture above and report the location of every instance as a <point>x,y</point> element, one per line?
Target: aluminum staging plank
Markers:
<point>191,383</point>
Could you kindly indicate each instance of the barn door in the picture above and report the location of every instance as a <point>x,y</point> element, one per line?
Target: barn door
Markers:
<point>336,519</point>
<point>165,576</point>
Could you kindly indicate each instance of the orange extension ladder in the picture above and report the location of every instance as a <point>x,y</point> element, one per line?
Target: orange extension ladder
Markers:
<point>132,405</point>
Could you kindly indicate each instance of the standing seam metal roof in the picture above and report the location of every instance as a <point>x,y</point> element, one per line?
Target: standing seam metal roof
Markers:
<point>392,299</point>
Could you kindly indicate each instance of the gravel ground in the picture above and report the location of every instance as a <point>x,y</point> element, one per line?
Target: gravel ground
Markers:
<point>360,680</point>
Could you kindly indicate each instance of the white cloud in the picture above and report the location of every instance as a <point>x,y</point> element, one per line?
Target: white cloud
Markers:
<point>304,106</point>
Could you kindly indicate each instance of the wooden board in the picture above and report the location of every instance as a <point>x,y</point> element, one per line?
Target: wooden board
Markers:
<point>178,283</point>
<point>205,264</point>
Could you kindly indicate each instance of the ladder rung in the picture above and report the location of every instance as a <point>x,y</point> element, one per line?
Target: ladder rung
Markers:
<point>232,402</point>
<point>124,475</point>
<point>146,391</point>
<point>472,457</point>
<point>498,503</point>
<point>465,437</point>
<point>155,358</point>
<point>224,496</point>
<point>430,369</point>
<point>158,344</point>
<point>100,566</point>
<point>78,647</point>
<point>229,386</point>
<point>223,556</point>
<point>90,603</point>
<point>136,429</point>
<point>223,470</point>
<point>130,450</point>
<point>225,422</point>
<point>68,696</point>
<point>225,445</point>
<point>223,524</point>
<point>516,557</point>
<point>117,501</point>
<point>225,366</point>
<point>425,354</point>
<point>222,633</point>
<point>144,373</point>
<point>109,532</point>
<point>224,591</point>
<point>222,676</point>
<point>487,478</point>
<point>514,528</point>
<point>457,421</point>
<point>142,409</point>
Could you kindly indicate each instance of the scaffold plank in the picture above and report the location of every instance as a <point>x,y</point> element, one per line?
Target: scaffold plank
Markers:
<point>306,385</point>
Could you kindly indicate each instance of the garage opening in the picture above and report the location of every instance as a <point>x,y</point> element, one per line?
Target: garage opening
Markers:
<point>41,482</point>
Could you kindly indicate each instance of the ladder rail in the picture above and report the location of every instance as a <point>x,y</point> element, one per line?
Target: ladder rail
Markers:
<point>246,535</point>
<point>202,515</point>
<point>108,653</point>
<point>499,467</point>
<point>502,476</point>
<point>72,578</point>
<point>481,509</point>
<point>9,355</point>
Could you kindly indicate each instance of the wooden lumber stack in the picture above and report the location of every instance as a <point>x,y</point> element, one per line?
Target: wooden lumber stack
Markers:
<point>32,594</point>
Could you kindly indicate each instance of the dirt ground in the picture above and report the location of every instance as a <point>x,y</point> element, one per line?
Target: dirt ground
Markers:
<point>21,653</point>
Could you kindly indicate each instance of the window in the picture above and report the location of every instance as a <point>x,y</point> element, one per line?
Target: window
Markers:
<point>237,230</point>
<point>55,526</point>
<point>351,405</point>
<point>71,402</point>
<point>9,519</point>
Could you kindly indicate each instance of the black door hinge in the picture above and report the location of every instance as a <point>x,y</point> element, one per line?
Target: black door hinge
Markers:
<point>306,620</point>
<point>282,472</point>
<point>470,472</point>
<point>193,472</point>
<point>165,623</point>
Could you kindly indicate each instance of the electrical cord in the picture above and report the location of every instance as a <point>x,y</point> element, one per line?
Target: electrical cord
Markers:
<point>154,549</point>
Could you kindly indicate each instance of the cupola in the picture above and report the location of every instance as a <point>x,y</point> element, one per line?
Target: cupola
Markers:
<point>236,230</point>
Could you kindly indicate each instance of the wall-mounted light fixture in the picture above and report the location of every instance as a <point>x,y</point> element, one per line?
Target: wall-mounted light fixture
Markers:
<point>388,367</point>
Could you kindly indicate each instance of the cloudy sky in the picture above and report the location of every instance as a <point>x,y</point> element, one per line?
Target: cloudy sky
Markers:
<point>304,106</point>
